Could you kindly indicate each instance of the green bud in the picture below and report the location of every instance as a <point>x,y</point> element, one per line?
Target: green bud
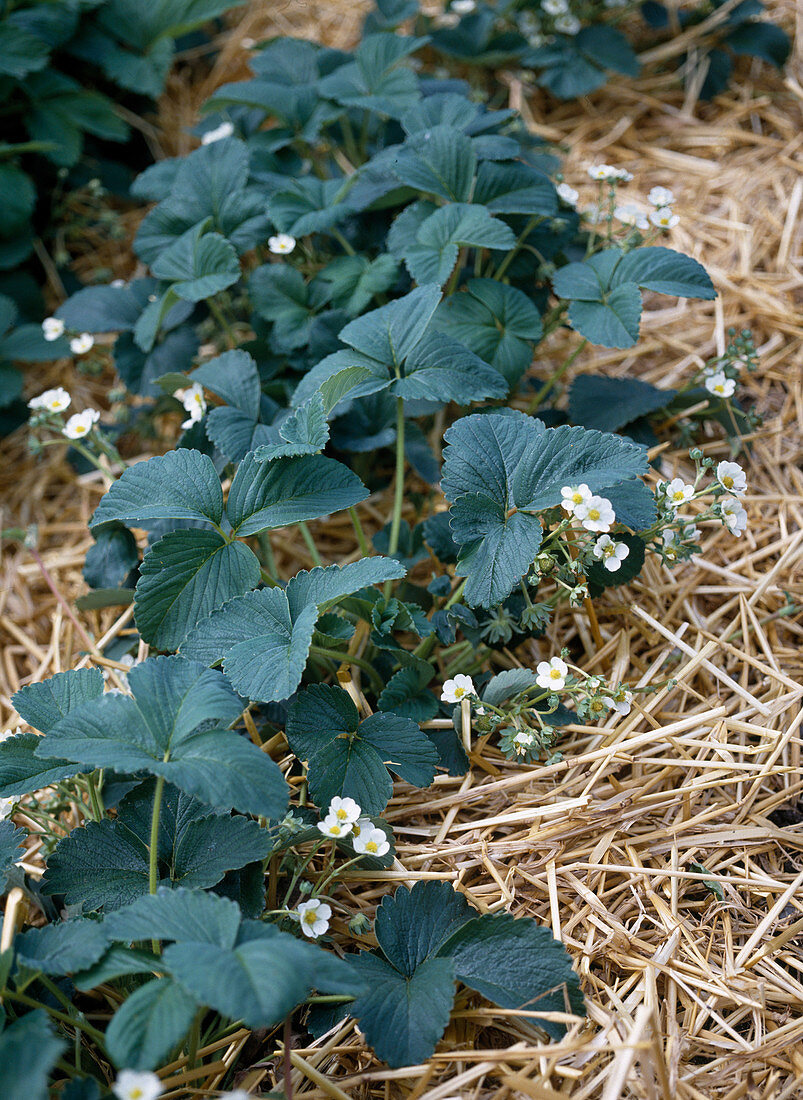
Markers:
<point>359,925</point>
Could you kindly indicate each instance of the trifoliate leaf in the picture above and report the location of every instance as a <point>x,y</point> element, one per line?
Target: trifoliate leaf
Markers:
<point>158,731</point>
<point>609,403</point>
<point>182,484</point>
<point>349,758</point>
<point>189,915</point>
<point>355,280</point>
<point>198,265</point>
<point>496,322</point>
<point>106,864</point>
<point>149,1023</point>
<point>305,431</point>
<point>234,377</point>
<point>280,295</point>
<point>414,924</point>
<point>62,948</point>
<point>430,257</point>
<point>612,323</point>
<point>265,495</point>
<point>185,577</point>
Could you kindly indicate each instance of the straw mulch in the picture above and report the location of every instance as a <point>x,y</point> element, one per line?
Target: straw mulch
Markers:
<point>665,850</point>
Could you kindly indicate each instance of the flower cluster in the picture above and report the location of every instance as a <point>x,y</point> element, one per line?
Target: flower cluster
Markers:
<point>345,818</point>
<point>48,406</point>
<point>54,327</point>
<point>594,512</point>
<point>678,535</point>
<point>662,216</point>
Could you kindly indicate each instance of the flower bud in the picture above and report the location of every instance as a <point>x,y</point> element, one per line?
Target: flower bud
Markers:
<point>359,925</point>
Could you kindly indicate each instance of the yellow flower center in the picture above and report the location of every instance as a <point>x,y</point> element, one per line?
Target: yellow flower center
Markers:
<point>371,846</point>
<point>310,916</point>
<point>577,498</point>
<point>335,830</point>
<point>677,495</point>
<point>719,388</point>
<point>136,1093</point>
<point>555,674</point>
<point>459,692</point>
<point>594,514</point>
<point>727,481</point>
<point>341,815</point>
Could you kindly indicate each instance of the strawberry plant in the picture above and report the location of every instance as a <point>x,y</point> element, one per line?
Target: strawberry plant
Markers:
<point>357,254</point>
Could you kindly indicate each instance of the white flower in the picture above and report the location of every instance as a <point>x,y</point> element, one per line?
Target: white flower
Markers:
<point>567,194</point>
<point>568,24</point>
<point>463,7</point>
<point>720,385</point>
<point>52,328</point>
<point>606,172</point>
<point>660,196</point>
<point>621,701</point>
<point>691,532</point>
<point>81,424</point>
<point>663,218</point>
<point>360,824</point>
<point>372,842</point>
<point>734,516</point>
<point>552,674</point>
<point>555,7</point>
<point>80,345</point>
<point>344,809</point>
<point>193,401</point>
<point>631,214</point>
<point>678,492</point>
<point>574,496</point>
<point>132,1084</point>
<point>5,807</point>
<point>281,244</point>
<point>4,736</point>
<point>238,1094</point>
<point>523,740</point>
<point>732,477</point>
<point>593,214</point>
<point>224,130</point>
<point>331,827</point>
<point>117,283</point>
<point>457,689</point>
<point>596,514</point>
<point>314,916</point>
<point>611,553</point>
<point>53,401</point>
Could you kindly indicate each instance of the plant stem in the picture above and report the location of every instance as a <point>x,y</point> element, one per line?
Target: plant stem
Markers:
<point>344,244</point>
<point>349,659</point>
<point>153,855</point>
<point>548,386</point>
<point>62,1017</point>
<point>398,496</point>
<point>365,549</point>
<point>97,808</point>
<point>221,319</point>
<point>507,261</point>
<point>309,542</point>
<point>266,549</point>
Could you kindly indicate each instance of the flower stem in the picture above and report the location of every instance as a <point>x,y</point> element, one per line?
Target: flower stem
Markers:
<point>309,542</point>
<point>549,385</point>
<point>398,496</point>
<point>349,659</point>
<point>356,523</point>
<point>153,854</point>
<point>221,319</point>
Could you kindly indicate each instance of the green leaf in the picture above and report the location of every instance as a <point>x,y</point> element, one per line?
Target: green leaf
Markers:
<point>761,39</point>
<point>114,554</point>
<point>28,1051</point>
<point>177,915</point>
<point>264,649</point>
<point>355,280</point>
<point>182,484</point>
<point>308,205</point>
<point>116,962</point>
<point>516,964</point>
<point>199,264</point>
<point>495,550</point>
<point>431,257</point>
<point>496,322</point>
<point>505,685</point>
<point>106,864</point>
<point>289,490</point>
<point>634,504</point>
<point>324,585</point>
<point>607,404</point>
<point>21,771</point>
<point>414,924</point>
<point>234,377</point>
<point>149,1023</point>
<point>280,295</point>
<point>231,980</point>
<point>44,704</point>
<point>349,758</point>
<point>390,333</point>
<point>105,308</point>
<point>405,694</point>
<point>441,162</point>
<point>62,948</point>
<point>441,369</point>
<point>158,731</point>
<point>404,1017</point>
<point>664,271</point>
<point>17,196</point>
<point>613,323</point>
<point>184,577</point>
<point>305,431</point>
<point>10,841</point>
<point>514,188</point>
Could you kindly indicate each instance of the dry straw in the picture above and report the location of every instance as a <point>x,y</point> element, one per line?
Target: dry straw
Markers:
<point>665,850</point>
